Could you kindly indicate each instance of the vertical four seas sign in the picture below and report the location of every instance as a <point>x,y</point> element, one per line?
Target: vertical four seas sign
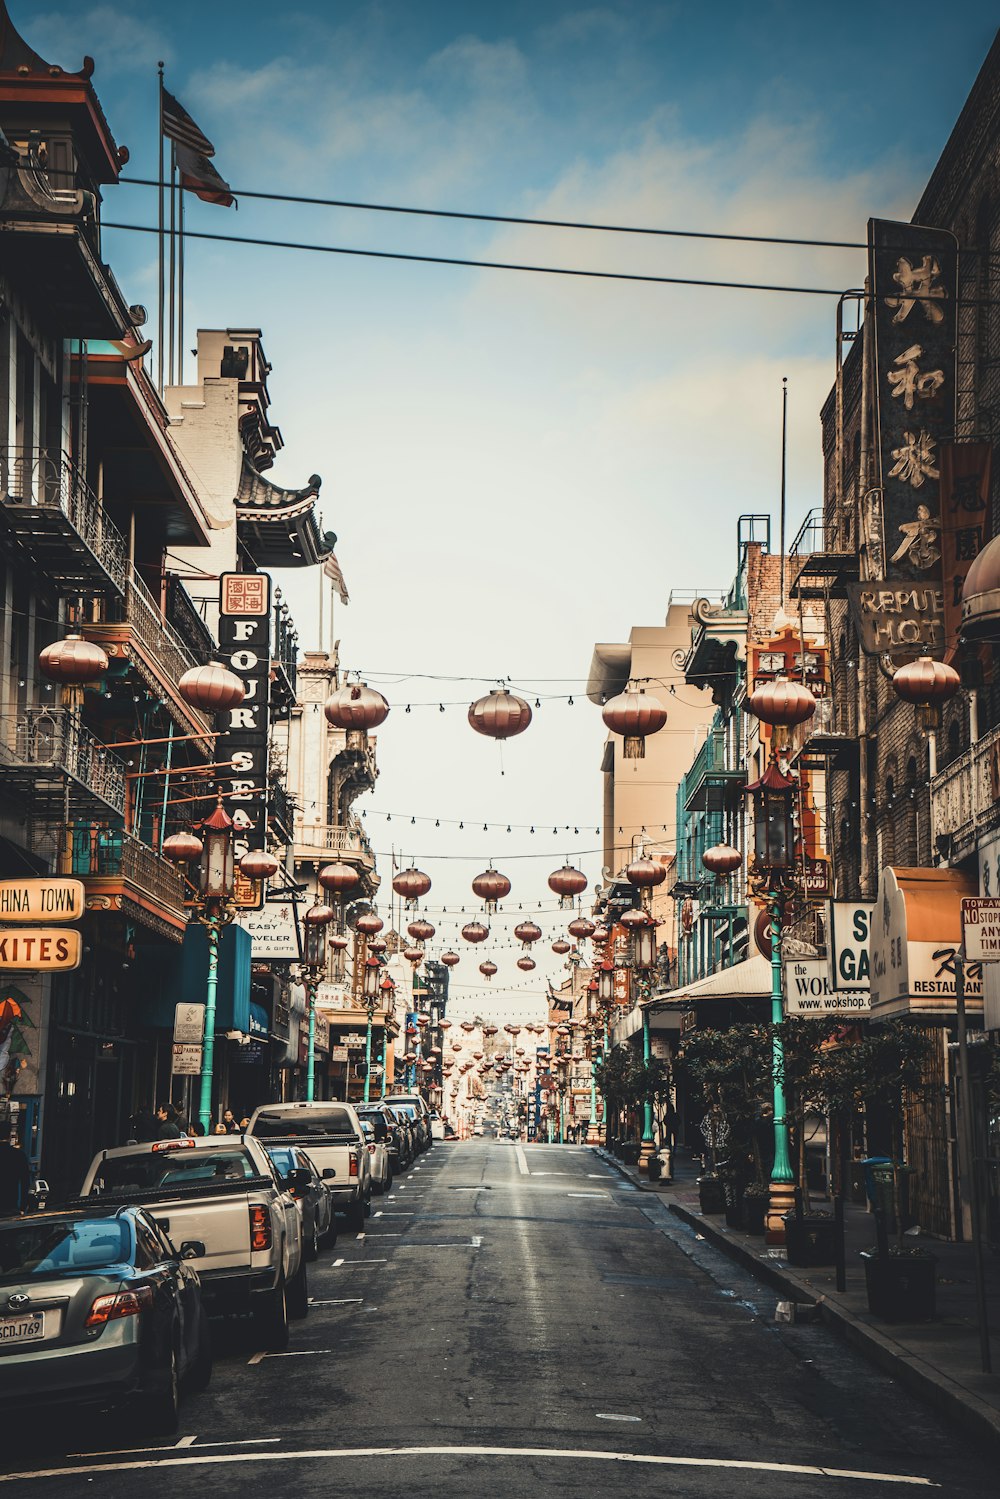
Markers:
<point>245,638</point>
<point>914,279</point>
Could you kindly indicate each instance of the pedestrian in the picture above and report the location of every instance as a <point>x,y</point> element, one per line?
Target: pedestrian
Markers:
<point>15,1177</point>
<point>230,1121</point>
<point>166,1123</point>
<point>220,1129</point>
<point>144,1125</point>
<point>181,1119</point>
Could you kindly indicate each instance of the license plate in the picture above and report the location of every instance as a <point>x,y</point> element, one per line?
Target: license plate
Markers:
<point>29,1327</point>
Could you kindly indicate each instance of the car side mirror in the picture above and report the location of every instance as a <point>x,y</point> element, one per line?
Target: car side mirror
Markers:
<point>300,1178</point>
<point>328,1171</point>
<point>192,1249</point>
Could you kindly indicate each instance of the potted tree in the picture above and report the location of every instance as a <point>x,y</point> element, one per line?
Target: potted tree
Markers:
<point>811,1076</point>
<point>882,1068</point>
<point>731,1070</point>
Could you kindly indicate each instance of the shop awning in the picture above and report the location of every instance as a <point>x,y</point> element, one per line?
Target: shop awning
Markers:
<point>916,931</point>
<point>750,979</point>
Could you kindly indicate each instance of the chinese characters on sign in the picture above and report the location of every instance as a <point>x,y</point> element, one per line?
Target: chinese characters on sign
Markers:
<point>245,639</point>
<point>914,276</point>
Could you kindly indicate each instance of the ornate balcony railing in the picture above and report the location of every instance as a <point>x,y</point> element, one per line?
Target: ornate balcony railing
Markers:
<point>61,520</point>
<point>54,740</point>
<point>97,851</point>
<point>340,838</point>
<point>965,799</point>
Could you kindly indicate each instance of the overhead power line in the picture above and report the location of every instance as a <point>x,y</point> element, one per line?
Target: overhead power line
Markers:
<point>509,218</point>
<point>489,265</point>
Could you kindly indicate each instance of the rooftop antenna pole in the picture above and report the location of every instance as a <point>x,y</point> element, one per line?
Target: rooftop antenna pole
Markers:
<point>784,468</point>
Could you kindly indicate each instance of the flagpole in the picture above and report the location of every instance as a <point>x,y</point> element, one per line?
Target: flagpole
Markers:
<point>180,285</point>
<point>159,240</point>
<point>173,259</point>
<point>322,587</point>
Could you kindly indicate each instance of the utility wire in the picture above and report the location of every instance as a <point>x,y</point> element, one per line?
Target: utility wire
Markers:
<point>509,218</point>
<point>489,265</point>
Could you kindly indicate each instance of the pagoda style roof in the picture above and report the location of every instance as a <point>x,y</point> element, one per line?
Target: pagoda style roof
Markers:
<point>280,527</point>
<point>32,85</point>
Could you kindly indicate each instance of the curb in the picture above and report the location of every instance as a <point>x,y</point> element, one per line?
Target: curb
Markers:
<point>610,1160</point>
<point>958,1404</point>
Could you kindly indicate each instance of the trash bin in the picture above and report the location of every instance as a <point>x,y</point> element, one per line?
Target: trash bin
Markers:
<point>869,1165</point>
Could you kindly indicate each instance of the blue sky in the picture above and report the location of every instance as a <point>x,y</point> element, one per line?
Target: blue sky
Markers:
<point>518,466</point>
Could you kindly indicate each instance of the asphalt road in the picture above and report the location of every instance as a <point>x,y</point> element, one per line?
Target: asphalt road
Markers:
<point>523,1322</point>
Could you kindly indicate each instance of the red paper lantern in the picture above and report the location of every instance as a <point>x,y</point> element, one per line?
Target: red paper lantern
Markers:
<point>73,660</point>
<point>722,859</point>
<point>474,931</point>
<point>487,969</point>
<point>526,964</point>
<point>527,932</point>
<point>376,944</point>
<point>636,918</point>
<point>182,848</point>
<point>600,934</point>
<point>561,946</point>
<point>339,878</point>
<point>782,704</point>
<point>421,930</point>
<point>926,682</point>
<point>449,959</point>
<point>211,688</point>
<point>634,715</point>
<point>258,864</point>
<point>319,914</point>
<point>414,955</point>
<point>356,706</point>
<point>581,928</point>
<point>338,942</point>
<point>411,884</point>
<point>566,883</point>
<point>491,886</point>
<point>369,923</point>
<point>500,715</point>
<point>645,873</point>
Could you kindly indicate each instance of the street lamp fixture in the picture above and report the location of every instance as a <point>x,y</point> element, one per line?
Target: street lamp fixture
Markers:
<point>315,922</point>
<point>371,990</point>
<point>773,879</point>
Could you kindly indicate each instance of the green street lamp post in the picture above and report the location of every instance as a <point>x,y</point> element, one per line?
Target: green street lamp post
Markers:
<point>773,878</point>
<point>642,939</point>
<point>370,994</point>
<point>316,920</point>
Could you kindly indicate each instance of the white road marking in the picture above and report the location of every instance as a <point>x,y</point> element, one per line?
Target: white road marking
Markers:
<point>378,1215</point>
<point>573,1454</point>
<point>184,1442</point>
<point>341,1301</point>
<point>294,1353</point>
<point>353,1263</point>
<point>465,1244</point>
<point>396,1215</point>
<point>587,1194</point>
<point>336,1263</point>
<point>609,1416</point>
<point>360,1236</point>
<point>257,1358</point>
<point>522,1164</point>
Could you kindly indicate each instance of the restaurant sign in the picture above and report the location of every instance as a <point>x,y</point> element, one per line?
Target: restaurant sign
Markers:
<point>892,617</point>
<point>910,974</point>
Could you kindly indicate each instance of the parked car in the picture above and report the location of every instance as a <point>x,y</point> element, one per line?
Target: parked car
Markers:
<point>297,1171</point>
<point>419,1114</point>
<point>331,1133</point>
<point>393,1128</point>
<point>97,1307</point>
<point>406,1145</point>
<point>378,1149</point>
<point>221,1192</point>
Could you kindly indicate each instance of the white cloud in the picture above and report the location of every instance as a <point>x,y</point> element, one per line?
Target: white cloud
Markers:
<point>120,41</point>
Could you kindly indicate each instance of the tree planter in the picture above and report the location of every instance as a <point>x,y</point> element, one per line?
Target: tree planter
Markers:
<point>630,1154</point>
<point>754,1213</point>
<point>900,1286</point>
<point>711,1195</point>
<point>734,1212</point>
<point>811,1239</point>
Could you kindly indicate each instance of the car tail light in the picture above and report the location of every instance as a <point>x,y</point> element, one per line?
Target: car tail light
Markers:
<point>354,1165</point>
<point>260,1228</point>
<point>185,1144</point>
<point>120,1304</point>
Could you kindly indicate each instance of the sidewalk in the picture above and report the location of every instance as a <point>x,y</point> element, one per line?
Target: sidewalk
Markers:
<point>938,1360</point>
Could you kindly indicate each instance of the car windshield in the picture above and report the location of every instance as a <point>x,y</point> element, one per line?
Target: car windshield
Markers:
<point>284,1124</point>
<point>284,1159</point>
<point>156,1169</point>
<point>63,1246</point>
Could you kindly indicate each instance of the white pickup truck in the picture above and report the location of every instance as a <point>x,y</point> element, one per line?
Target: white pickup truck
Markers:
<point>331,1134</point>
<point>222,1194</point>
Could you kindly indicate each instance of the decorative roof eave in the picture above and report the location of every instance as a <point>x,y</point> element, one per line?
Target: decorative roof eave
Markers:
<point>718,645</point>
<point>24,74</point>
<point>279,527</point>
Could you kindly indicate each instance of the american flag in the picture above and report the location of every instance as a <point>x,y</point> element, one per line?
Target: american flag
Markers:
<point>179,127</point>
<point>331,569</point>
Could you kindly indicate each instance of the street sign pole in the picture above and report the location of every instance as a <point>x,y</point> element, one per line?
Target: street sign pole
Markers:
<point>968,1144</point>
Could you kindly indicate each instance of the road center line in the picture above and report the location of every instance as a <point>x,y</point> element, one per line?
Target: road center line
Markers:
<point>522,1164</point>
<point>184,1442</point>
<point>324,1454</point>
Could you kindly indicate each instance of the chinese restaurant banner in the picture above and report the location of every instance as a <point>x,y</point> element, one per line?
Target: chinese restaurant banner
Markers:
<point>965,521</point>
<point>913,274</point>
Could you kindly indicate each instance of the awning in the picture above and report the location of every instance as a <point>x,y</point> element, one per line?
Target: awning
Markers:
<point>916,931</point>
<point>750,979</point>
<point>260,1023</point>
